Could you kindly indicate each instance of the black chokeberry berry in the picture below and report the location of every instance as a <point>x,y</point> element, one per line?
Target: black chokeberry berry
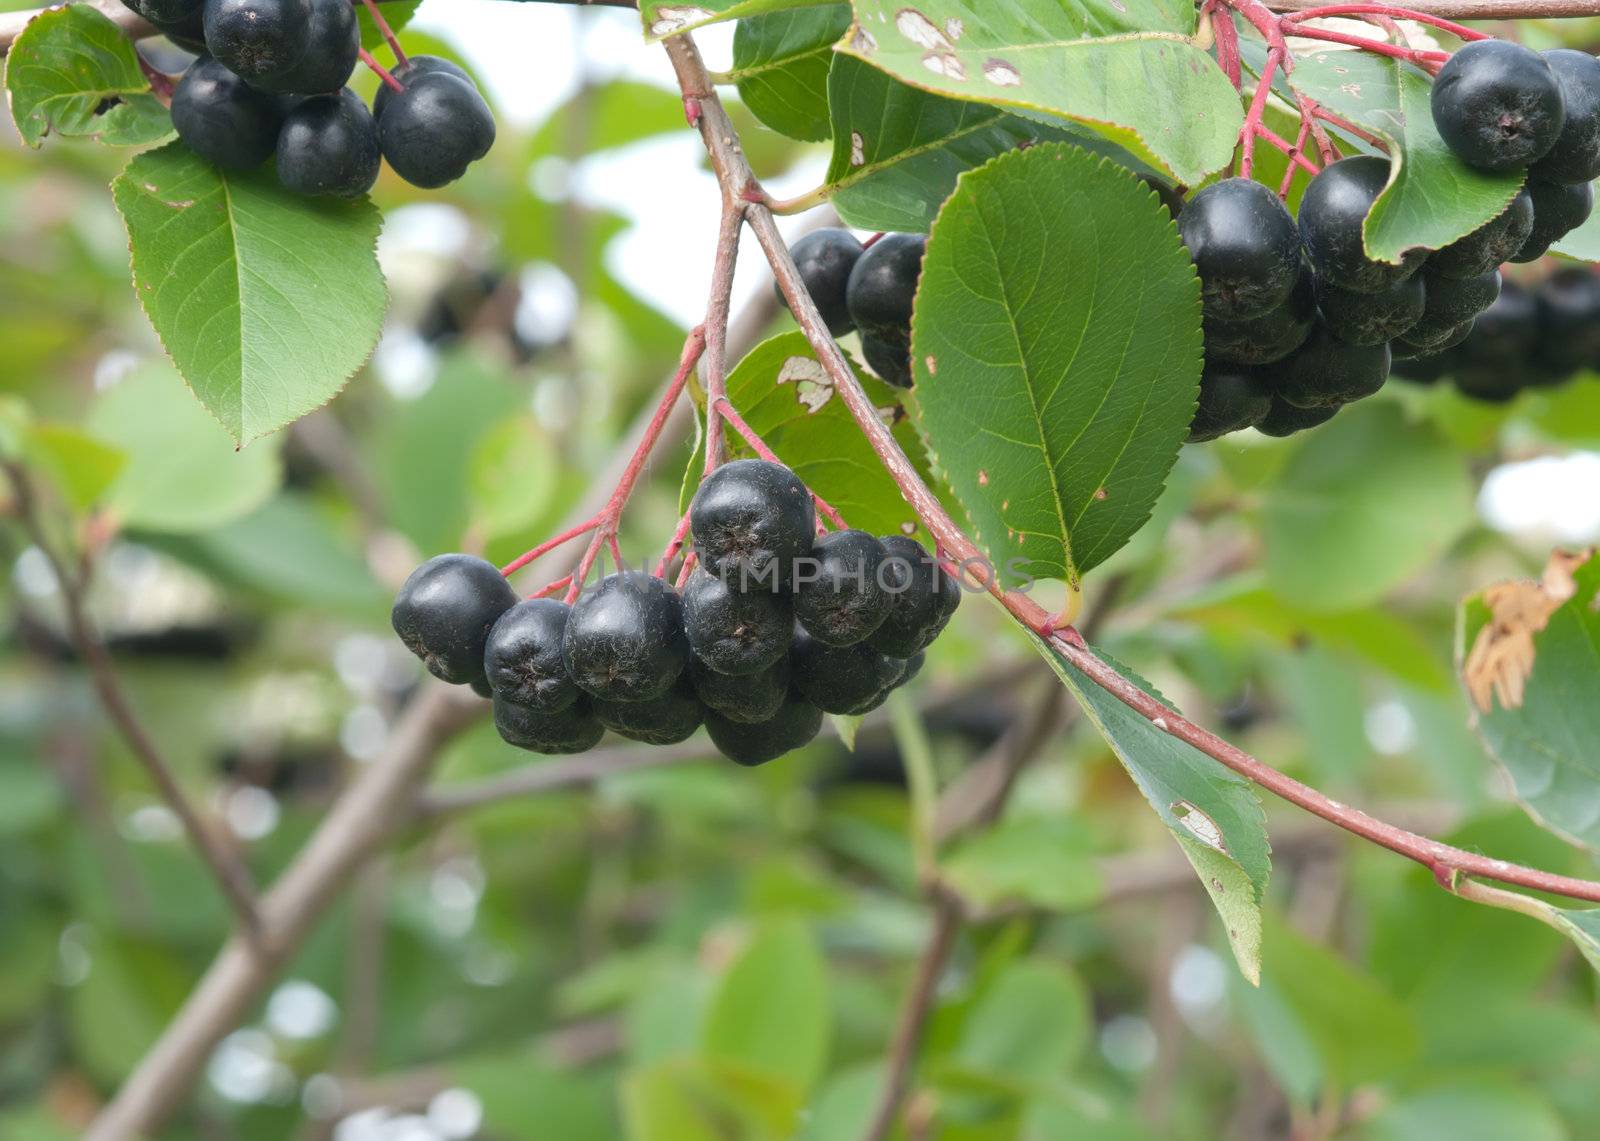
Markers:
<point>171,12</point>
<point>329,146</point>
<point>1569,321</point>
<point>1332,216</point>
<point>434,129</point>
<point>1488,385</point>
<point>258,39</point>
<point>332,46</point>
<point>1245,248</point>
<point>445,610</point>
<point>664,720</point>
<point>1490,245</point>
<point>415,67</point>
<point>522,658</point>
<point>1429,343</point>
<point>796,724</point>
<point>624,639</point>
<point>1506,334</point>
<point>923,597</point>
<point>883,285</point>
<point>1372,318</point>
<point>735,632</point>
<point>481,687</point>
<point>1450,302</point>
<point>1285,419</point>
<point>748,698</point>
<point>1326,372</point>
<point>1575,157</point>
<point>890,358</point>
<point>223,119</point>
<point>1171,197</point>
<point>825,259</point>
<point>1558,209</point>
<point>1270,337</point>
<point>751,520</point>
<point>843,679</point>
<point>1231,399</point>
<point>1497,105</point>
<point>574,729</point>
<point>839,596</point>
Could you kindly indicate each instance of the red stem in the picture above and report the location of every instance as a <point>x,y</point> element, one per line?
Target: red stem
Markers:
<point>1460,31</point>
<point>1253,126</point>
<point>1427,60</point>
<point>549,545</point>
<point>382,72</point>
<point>388,32</point>
<point>555,587</point>
<point>1288,172</point>
<point>1227,33</point>
<point>674,545</point>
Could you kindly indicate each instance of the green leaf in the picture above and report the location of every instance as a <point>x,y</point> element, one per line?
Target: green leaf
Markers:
<point>1056,287</point>
<point>80,466</point>
<point>1433,198</point>
<point>1042,862</point>
<point>513,471</point>
<point>1549,742</point>
<point>770,1014</point>
<point>1321,1023</point>
<point>1029,1026</point>
<point>182,472</point>
<point>1212,813</point>
<point>783,394</point>
<point>1128,71</point>
<point>73,73</point>
<point>1467,1110</point>
<point>268,302</point>
<point>396,13</point>
<point>1582,243</point>
<point>1583,928</point>
<point>684,1099</point>
<point>669,17</point>
<point>898,150</point>
<point>780,66</point>
<point>1364,505</point>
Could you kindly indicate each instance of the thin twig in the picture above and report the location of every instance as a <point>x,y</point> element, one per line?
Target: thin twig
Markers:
<point>224,862</point>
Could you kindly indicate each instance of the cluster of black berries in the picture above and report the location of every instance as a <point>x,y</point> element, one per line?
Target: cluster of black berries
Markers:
<point>774,628</point>
<point>271,81</point>
<point>1529,338</point>
<point>1299,321</point>
<point>866,289</point>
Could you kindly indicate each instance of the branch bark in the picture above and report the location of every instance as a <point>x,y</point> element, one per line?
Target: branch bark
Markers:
<point>223,861</point>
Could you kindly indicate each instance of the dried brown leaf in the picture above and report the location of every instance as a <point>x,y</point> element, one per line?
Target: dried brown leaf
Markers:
<point>1502,655</point>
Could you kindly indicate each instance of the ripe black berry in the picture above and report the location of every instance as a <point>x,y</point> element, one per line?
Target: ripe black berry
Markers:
<point>223,119</point>
<point>1575,157</point>
<point>624,639</point>
<point>1415,346</point>
<point>1558,209</point>
<point>838,595</point>
<point>414,67</point>
<point>883,285</point>
<point>1326,372</point>
<point>258,39</point>
<point>1230,399</point>
<point>1497,105</point>
<point>574,729</point>
<point>1245,248</point>
<point>1569,321</point>
<point>481,687</point>
<point>522,658</point>
<point>160,12</point>
<point>889,358</point>
<point>1270,337</point>
<point>749,698</point>
<point>795,724</point>
<point>1450,302</point>
<point>843,679</point>
<point>332,46</point>
<point>434,129</point>
<point>734,632</point>
<point>329,146</point>
<point>665,720</point>
<point>1372,318</point>
<point>825,259</point>
<point>922,598</point>
<point>1285,419</point>
<point>751,520</point>
<point>1490,245</point>
<point>1506,334</point>
<point>1332,214</point>
<point>445,610</point>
